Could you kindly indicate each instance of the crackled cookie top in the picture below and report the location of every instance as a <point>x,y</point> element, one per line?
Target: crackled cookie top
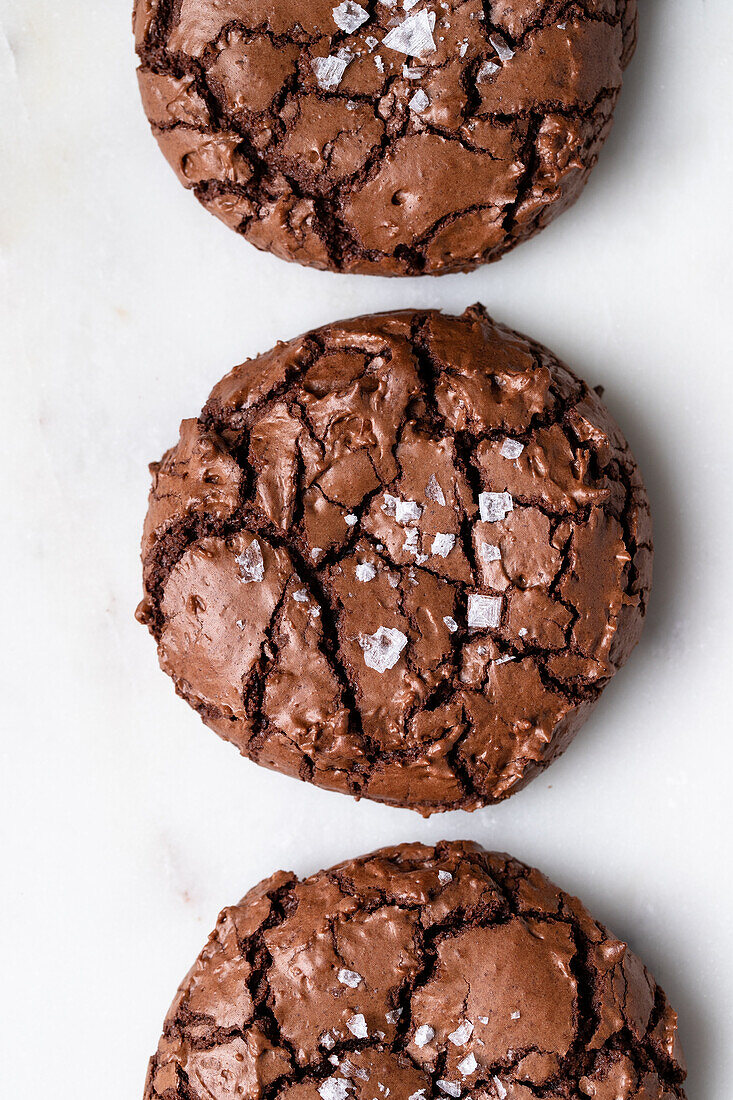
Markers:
<point>416,973</point>
<point>398,557</point>
<point>389,137</point>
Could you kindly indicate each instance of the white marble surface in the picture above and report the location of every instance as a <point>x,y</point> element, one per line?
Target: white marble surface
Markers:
<point>126,824</point>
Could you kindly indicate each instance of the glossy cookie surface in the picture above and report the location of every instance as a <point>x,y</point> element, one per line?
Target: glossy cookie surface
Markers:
<point>398,557</point>
<point>384,138</point>
<point>417,972</point>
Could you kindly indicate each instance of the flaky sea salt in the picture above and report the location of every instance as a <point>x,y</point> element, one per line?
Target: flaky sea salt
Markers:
<point>486,70</point>
<point>251,563</point>
<point>483,1019</point>
<point>511,448</point>
<point>379,63</point>
<point>442,545</point>
<point>350,978</point>
<point>301,596</point>
<point>495,506</point>
<point>504,50</point>
<point>365,571</point>
<point>351,520</point>
<point>349,16</point>
<point>413,36</point>
<point>468,1065</point>
<point>463,1033</point>
<point>327,1041</point>
<point>357,1026</point>
<point>500,1090</point>
<point>329,71</point>
<point>419,1095</point>
<point>450,1088</point>
<point>334,1088</point>
<point>412,546</point>
<point>393,1016</point>
<point>445,876</point>
<point>371,42</point>
<point>402,511</point>
<point>382,650</point>
<point>433,491</point>
<point>516,1015</point>
<point>350,1070</point>
<point>483,611</point>
<point>424,1035</point>
<point>522,631</point>
<point>451,623</point>
<point>419,102</point>
<point>489,552</point>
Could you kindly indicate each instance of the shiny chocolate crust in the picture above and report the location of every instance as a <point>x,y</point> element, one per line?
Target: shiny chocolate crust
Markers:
<point>369,138</point>
<point>416,973</point>
<point>398,557</point>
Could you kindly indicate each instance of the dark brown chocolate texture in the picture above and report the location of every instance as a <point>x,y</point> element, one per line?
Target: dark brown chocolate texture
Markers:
<point>398,557</point>
<point>369,138</point>
<point>416,973</point>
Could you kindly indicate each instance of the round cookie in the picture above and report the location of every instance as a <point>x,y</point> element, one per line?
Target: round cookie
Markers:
<point>398,557</point>
<point>383,138</point>
<point>416,973</point>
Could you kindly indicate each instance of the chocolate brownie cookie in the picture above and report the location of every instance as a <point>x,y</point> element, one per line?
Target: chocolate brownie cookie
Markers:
<point>383,137</point>
<point>416,973</point>
<point>398,557</point>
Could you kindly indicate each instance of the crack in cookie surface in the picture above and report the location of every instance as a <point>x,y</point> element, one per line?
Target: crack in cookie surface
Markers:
<point>417,972</point>
<point>424,140</point>
<point>399,557</point>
